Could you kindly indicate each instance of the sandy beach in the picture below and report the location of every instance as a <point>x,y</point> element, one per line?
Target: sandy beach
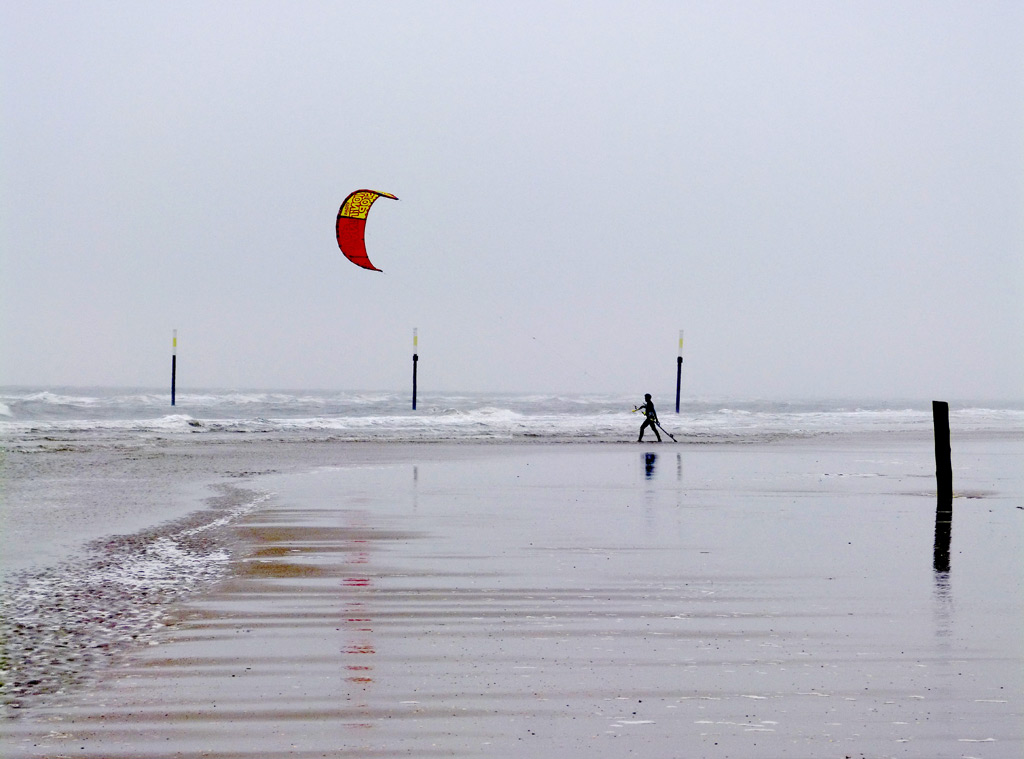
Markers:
<point>585,600</point>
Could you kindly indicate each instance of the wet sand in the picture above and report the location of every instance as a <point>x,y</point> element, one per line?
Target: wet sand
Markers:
<point>557,601</point>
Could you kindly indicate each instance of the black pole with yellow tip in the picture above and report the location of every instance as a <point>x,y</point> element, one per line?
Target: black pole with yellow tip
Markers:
<point>415,361</point>
<point>679,369</point>
<point>174,363</point>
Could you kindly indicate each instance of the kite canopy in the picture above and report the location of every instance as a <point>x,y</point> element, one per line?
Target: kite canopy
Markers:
<point>352,225</point>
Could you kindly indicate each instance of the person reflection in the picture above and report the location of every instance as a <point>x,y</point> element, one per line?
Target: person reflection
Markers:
<point>649,460</point>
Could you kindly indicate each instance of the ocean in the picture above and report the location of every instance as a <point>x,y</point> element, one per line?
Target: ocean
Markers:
<point>33,416</point>
<point>115,506</point>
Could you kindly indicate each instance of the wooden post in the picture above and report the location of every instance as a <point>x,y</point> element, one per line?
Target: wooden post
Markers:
<point>415,361</point>
<point>943,464</point>
<point>174,363</point>
<point>679,369</point>
<point>944,484</point>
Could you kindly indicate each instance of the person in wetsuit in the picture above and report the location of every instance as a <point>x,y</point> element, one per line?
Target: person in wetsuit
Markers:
<point>650,418</point>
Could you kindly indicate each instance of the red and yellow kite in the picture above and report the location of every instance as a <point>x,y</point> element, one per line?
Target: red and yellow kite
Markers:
<point>352,225</point>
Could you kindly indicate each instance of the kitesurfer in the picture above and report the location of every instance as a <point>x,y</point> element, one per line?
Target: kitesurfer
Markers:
<point>650,418</point>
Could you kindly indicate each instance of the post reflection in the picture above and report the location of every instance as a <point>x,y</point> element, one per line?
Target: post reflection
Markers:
<point>415,487</point>
<point>941,566</point>
<point>943,534</point>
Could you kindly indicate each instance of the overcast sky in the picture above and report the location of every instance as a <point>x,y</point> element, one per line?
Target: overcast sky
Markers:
<point>828,197</point>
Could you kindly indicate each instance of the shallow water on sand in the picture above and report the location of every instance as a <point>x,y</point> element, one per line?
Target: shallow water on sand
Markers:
<point>576,600</point>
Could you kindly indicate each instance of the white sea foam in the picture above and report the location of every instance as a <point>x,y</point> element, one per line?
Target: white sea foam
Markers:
<point>164,565</point>
<point>58,624</point>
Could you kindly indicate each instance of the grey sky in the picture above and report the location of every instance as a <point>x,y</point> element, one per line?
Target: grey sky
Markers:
<point>827,197</point>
